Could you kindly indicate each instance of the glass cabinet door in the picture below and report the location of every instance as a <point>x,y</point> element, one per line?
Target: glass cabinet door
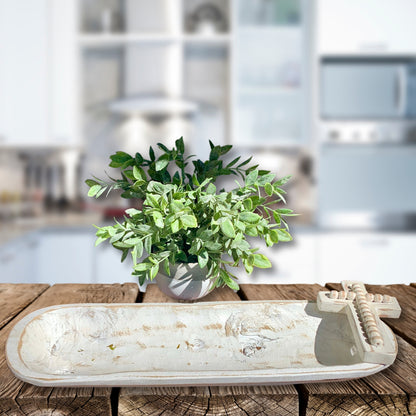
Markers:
<point>269,73</point>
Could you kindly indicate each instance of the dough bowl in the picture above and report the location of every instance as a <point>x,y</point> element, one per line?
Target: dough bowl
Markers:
<point>212,343</point>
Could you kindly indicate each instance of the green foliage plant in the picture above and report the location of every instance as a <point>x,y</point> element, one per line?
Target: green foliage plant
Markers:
<point>184,218</point>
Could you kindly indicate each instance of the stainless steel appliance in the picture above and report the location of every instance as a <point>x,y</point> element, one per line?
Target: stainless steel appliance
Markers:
<point>367,186</point>
<point>368,99</point>
<point>367,130</point>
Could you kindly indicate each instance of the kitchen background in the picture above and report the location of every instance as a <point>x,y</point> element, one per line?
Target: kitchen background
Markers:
<point>324,90</point>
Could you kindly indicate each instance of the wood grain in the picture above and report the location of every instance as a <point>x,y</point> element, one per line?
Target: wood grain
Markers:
<point>19,398</point>
<point>231,401</point>
<point>15,297</point>
<point>253,400</point>
<point>377,394</point>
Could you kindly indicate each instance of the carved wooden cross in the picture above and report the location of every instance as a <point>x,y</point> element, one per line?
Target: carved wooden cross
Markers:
<point>375,341</point>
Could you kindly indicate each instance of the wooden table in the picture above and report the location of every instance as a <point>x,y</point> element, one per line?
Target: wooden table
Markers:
<point>392,392</point>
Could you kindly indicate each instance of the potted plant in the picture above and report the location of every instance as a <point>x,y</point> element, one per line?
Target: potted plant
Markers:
<point>185,232</point>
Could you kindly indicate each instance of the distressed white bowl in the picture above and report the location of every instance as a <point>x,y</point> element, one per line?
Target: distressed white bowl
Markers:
<point>212,343</point>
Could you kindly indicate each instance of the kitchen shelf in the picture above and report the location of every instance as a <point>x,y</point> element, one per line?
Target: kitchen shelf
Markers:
<point>153,106</point>
<point>269,90</point>
<point>114,39</point>
<point>220,38</point>
<point>108,40</point>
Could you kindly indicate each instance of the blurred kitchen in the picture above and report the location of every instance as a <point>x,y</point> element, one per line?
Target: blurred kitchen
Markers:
<point>324,90</point>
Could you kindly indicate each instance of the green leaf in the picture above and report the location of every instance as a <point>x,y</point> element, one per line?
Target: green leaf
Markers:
<point>152,154</point>
<point>234,161</point>
<point>161,164</point>
<point>124,255</point>
<point>274,236</point>
<point>250,217</point>
<point>227,228</point>
<point>265,178</point>
<point>252,177</point>
<point>138,159</point>
<point>284,235</point>
<point>248,204</point>
<point>232,284</point>
<point>282,181</point>
<point>166,267</point>
<point>154,271</point>
<point>99,240</point>
<point>139,248</point>
<point>175,226</point>
<point>158,219</point>
<point>249,267</point>
<point>180,145</point>
<point>189,221</point>
<point>132,212</point>
<point>148,244</point>
<point>120,157</point>
<point>211,189</point>
<point>116,237</point>
<point>94,190</point>
<point>163,147</point>
<point>140,267</point>
<point>261,261</point>
<point>269,189</point>
<point>132,241</point>
<point>91,182</point>
<point>138,173</point>
<point>203,259</point>
<point>245,162</point>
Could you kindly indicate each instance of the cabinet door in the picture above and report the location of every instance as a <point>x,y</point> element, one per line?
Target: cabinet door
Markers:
<point>292,262</point>
<point>66,256</point>
<point>366,26</point>
<point>64,81</point>
<point>18,260</point>
<point>375,258</point>
<point>269,83</point>
<point>109,268</point>
<point>23,71</point>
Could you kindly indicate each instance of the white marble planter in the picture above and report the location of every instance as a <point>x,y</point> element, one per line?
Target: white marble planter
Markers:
<point>210,343</point>
<point>186,282</point>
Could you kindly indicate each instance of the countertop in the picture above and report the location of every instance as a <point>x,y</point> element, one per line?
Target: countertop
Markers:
<point>13,230</point>
<point>390,392</point>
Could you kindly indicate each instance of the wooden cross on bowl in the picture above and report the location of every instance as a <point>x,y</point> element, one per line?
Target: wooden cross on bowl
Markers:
<point>374,339</point>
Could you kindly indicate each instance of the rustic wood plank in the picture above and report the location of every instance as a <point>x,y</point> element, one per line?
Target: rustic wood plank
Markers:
<point>15,297</point>
<point>19,398</point>
<point>218,400</point>
<point>231,400</point>
<point>406,295</point>
<point>377,394</point>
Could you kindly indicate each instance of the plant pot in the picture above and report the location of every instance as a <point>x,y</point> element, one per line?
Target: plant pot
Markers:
<point>187,281</point>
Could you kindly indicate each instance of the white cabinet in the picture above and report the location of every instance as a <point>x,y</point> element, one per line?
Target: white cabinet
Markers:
<point>23,71</point>
<point>108,266</point>
<point>269,79</point>
<point>37,72</point>
<point>293,262</point>
<point>366,26</point>
<point>66,256</point>
<point>18,260</point>
<point>375,258</point>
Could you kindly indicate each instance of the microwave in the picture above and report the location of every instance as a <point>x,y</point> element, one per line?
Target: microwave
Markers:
<point>367,89</point>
